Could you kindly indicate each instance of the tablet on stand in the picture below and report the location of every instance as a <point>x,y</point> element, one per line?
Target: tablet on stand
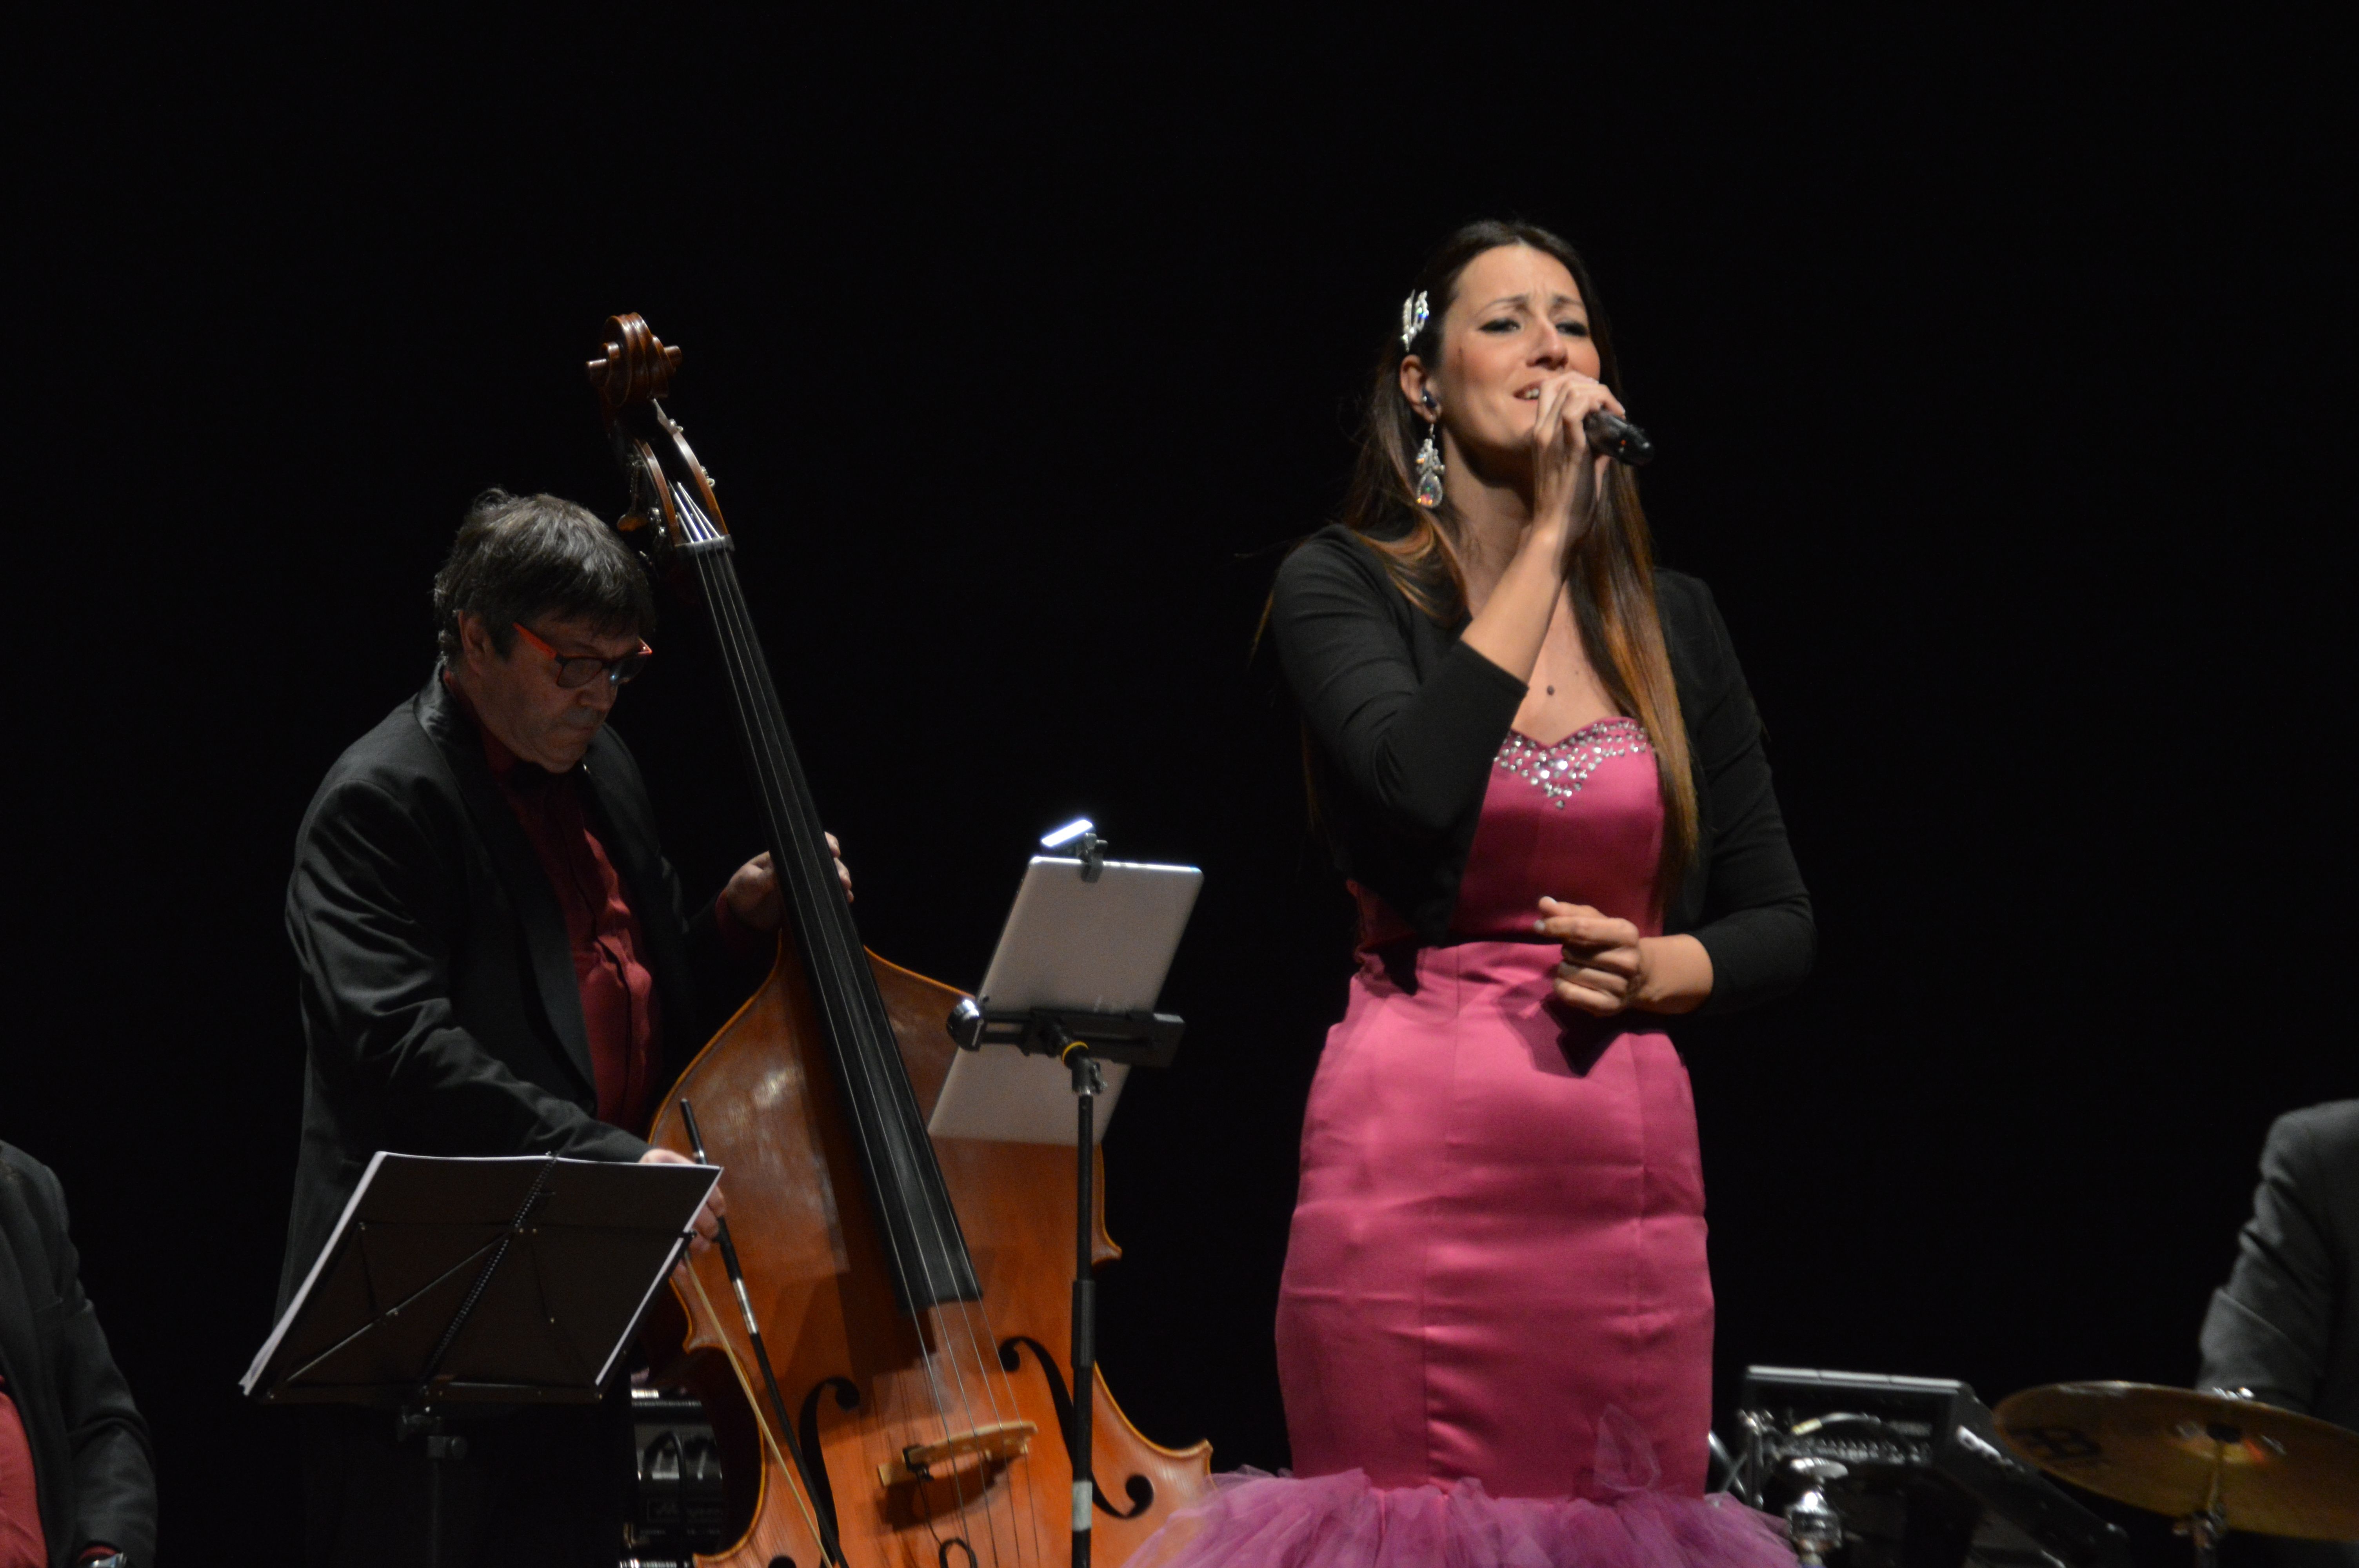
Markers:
<point>1065,1010</point>
<point>1086,954</point>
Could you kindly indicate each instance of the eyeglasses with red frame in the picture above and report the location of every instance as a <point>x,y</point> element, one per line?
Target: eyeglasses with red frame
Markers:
<point>576,670</point>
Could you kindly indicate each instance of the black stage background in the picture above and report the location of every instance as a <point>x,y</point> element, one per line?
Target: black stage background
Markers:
<point>2001,380</point>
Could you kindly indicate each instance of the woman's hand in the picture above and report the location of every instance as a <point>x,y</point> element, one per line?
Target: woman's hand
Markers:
<point>1565,473</point>
<point>1609,968</point>
<point>1603,964</point>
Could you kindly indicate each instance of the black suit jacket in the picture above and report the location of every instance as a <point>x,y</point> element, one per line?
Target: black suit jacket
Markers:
<point>2285,1324</point>
<point>90,1447</point>
<point>1407,721</point>
<point>441,1010</point>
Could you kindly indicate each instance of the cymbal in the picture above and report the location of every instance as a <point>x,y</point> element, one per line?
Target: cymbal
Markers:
<point>2278,1472</point>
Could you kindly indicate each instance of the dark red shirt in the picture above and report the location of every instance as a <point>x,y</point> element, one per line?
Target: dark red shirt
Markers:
<point>618,991</point>
<point>22,1542</point>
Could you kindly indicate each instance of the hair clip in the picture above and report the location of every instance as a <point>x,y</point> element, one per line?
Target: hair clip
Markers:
<point>1413,318</point>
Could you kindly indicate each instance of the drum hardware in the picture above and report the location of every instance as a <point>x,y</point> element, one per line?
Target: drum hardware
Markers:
<point>1817,1528</point>
<point>2212,1461</point>
<point>1873,1471</point>
<point>1720,1464</point>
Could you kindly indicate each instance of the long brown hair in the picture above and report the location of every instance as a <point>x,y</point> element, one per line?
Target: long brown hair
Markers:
<point>1612,573</point>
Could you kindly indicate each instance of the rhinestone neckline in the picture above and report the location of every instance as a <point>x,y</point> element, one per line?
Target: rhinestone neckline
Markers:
<point>1560,770</point>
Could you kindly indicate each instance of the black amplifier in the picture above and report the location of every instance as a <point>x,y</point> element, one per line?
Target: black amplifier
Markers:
<point>1914,1472</point>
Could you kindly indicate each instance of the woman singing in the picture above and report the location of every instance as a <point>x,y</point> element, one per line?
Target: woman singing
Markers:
<point>1543,776</point>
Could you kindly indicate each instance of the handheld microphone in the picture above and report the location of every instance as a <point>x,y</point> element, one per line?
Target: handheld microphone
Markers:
<point>1617,437</point>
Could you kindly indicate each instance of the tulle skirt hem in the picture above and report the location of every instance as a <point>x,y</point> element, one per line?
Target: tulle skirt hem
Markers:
<point>1253,1520</point>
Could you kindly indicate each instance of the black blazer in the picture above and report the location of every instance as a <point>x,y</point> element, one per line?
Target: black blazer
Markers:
<point>89,1448</point>
<point>2285,1324</point>
<point>441,1010</point>
<point>1407,721</point>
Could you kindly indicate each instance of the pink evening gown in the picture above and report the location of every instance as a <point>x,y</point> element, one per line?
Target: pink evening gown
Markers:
<point>1495,1327</point>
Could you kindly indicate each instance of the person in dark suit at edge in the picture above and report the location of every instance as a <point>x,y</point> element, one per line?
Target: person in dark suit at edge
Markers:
<point>77,1481</point>
<point>497,959</point>
<point>2285,1328</point>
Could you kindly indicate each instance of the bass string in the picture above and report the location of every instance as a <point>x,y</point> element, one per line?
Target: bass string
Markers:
<point>839,957</point>
<point>956,1318</point>
<point>991,1377</point>
<point>1004,1407</point>
<point>996,1388</point>
<point>945,1370</point>
<point>849,976</point>
<point>728,635</point>
<point>956,1321</point>
<point>757,714</point>
<point>846,979</point>
<point>761,721</point>
<point>1021,1510</point>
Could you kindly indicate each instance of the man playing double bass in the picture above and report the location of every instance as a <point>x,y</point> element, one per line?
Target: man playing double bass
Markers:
<point>497,959</point>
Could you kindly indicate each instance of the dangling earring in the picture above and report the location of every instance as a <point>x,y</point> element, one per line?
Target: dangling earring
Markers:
<point>1429,469</point>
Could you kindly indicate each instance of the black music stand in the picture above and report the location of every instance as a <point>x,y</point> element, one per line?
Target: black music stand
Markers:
<point>1082,1038</point>
<point>485,1283</point>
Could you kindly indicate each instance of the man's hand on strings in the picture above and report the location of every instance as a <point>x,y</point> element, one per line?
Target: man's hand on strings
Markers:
<point>753,893</point>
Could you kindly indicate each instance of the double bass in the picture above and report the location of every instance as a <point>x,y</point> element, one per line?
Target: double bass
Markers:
<point>880,1349</point>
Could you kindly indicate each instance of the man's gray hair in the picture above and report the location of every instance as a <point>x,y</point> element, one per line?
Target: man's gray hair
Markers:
<point>522,559</point>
